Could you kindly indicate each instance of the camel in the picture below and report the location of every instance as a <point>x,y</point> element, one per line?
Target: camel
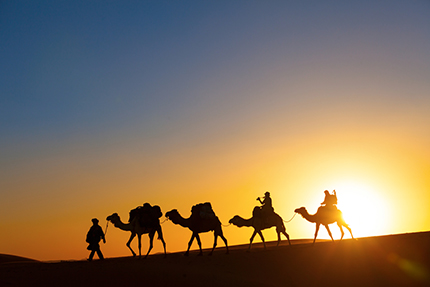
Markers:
<point>198,225</point>
<point>325,215</point>
<point>258,223</point>
<point>136,229</point>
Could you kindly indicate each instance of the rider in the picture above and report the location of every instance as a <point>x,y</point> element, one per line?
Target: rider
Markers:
<point>266,205</point>
<point>330,200</point>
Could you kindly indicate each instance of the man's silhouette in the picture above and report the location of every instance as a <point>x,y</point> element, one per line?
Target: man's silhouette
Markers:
<point>266,206</point>
<point>266,203</point>
<point>330,200</point>
<point>94,235</point>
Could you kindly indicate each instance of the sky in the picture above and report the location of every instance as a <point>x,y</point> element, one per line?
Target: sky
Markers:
<point>106,105</point>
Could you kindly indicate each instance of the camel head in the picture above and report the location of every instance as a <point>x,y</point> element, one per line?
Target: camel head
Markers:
<point>236,220</point>
<point>172,215</point>
<point>113,218</point>
<point>301,211</point>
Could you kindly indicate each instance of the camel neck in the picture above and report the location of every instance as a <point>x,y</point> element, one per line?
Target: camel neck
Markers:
<point>308,217</point>
<point>184,222</point>
<point>123,226</point>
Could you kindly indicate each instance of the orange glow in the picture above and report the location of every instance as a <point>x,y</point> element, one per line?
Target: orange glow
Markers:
<point>364,209</point>
<point>208,110</point>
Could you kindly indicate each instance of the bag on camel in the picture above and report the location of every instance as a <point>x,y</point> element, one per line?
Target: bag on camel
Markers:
<point>203,210</point>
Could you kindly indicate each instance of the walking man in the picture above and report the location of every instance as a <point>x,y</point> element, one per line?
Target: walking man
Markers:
<point>94,235</point>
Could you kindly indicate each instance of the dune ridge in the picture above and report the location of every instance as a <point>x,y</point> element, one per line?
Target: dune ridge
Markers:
<point>391,260</point>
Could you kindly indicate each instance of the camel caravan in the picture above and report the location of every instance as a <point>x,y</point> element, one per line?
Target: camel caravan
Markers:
<point>146,220</point>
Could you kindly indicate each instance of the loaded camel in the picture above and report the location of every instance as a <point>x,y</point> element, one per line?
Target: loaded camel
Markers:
<point>138,226</point>
<point>258,222</point>
<point>325,215</point>
<point>202,219</point>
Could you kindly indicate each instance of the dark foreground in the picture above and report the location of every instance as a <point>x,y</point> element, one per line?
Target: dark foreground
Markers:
<point>394,260</point>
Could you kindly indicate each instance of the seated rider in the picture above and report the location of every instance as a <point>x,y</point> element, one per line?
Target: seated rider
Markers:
<point>266,205</point>
<point>330,200</point>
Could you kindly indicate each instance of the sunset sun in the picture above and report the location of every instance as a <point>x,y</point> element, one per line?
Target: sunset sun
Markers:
<point>363,209</point>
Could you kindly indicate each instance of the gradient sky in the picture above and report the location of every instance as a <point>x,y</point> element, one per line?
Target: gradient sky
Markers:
<point>106,105</point>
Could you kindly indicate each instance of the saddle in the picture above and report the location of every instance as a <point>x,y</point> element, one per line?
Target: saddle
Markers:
<point>264,215</point>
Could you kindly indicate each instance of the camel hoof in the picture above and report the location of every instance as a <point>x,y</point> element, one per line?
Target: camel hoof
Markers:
<point>186,254</point>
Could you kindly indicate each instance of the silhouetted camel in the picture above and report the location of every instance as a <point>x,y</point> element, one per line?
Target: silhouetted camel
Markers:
<point>325,216</point>
<point>197,225</point>
<point>258,223</point>
<point>136,229</point>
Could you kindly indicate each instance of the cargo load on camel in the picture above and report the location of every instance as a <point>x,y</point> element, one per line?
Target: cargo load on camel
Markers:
<point>146,214</point>
<point>203,211</point>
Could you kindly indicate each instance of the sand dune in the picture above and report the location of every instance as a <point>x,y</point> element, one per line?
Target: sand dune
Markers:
<point>393,260</point>
<point>6,258</point>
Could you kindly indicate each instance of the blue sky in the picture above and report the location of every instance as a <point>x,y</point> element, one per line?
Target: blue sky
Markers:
<point>86,67</point>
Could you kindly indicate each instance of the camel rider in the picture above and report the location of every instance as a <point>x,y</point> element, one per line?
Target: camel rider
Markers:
<point>266,205</point>
<point>330,200</point>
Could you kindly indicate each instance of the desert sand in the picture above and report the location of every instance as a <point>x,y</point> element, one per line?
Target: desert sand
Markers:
<point>392,260</point>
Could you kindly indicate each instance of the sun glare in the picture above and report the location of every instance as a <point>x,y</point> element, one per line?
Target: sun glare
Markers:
<point>363,209</point>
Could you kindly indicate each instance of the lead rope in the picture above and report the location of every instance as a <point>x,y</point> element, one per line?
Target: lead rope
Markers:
<point>290,219</point>
<point>164,220</point>
<point>107,222</point>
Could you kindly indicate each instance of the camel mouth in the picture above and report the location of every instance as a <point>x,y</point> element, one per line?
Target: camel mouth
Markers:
<point>110,217</point>
<point>232,219</point>
<point>169,213</point>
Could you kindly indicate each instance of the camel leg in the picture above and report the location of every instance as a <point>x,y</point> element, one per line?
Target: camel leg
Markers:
<point>329,232</point>
<point>281,229</point>
<point>139,238</point>
<point>262,238</point>
<point>189,244</point>
<point>288,237</point>
<point>129,242</point>
<point>349,229</point>
<point>225,242</point>
<point>252,239</point>
<point>221,234</point>
<point>200,244</point>
<point>341,230</point>
<point>316,232</point>
<point>151,242</point>
<point>215,241</point>
<point>160,236</point>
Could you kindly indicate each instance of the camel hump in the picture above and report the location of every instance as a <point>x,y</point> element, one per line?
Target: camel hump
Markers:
<point>145,212</point>
<point>328,210</point>
<point>203,210</point>
<point>156,211</point>
<point>257,212</point>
